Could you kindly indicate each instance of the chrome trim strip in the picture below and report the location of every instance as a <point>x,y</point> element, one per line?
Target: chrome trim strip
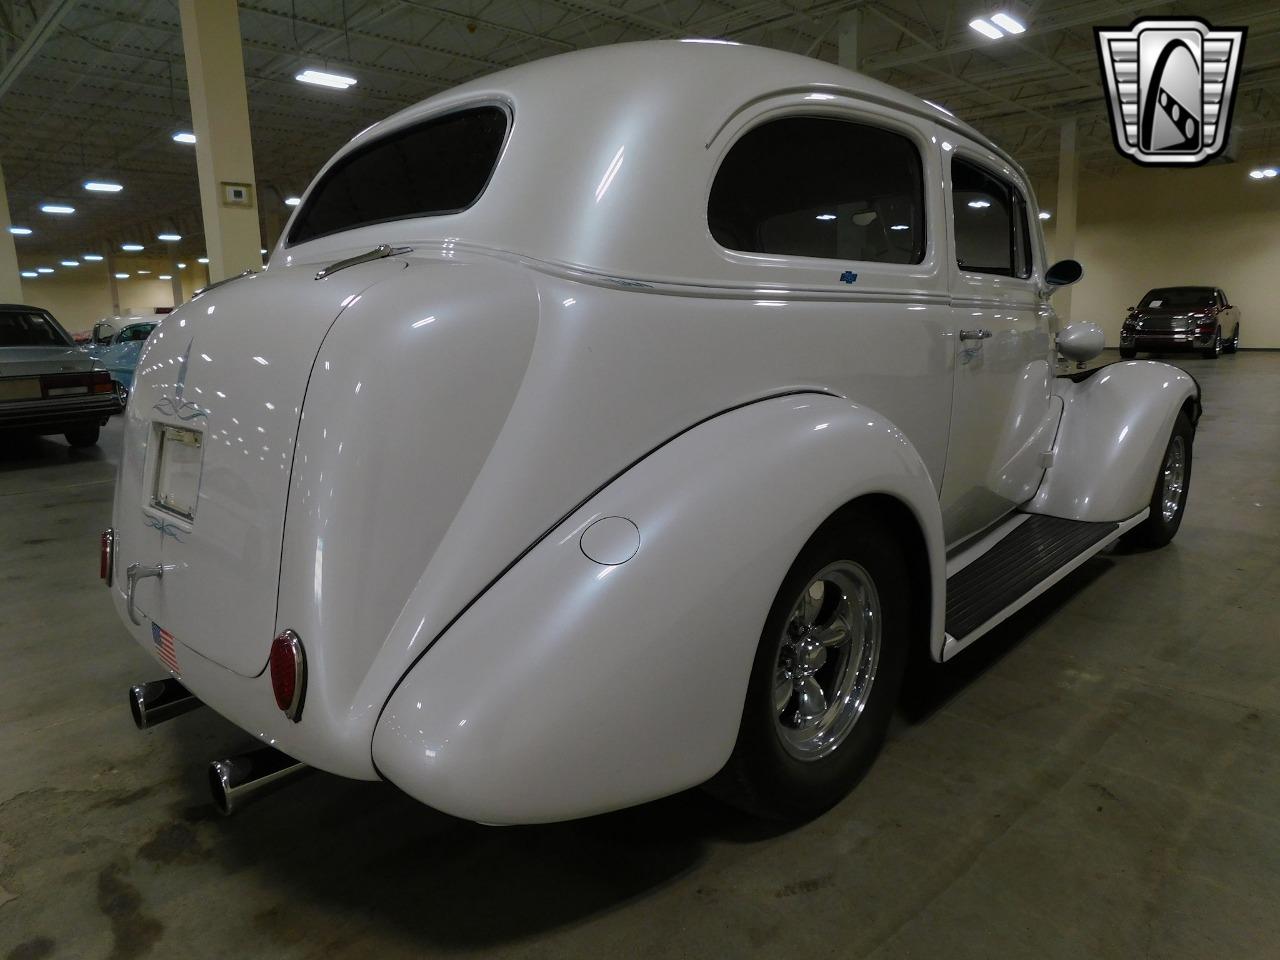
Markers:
<point>217,283</point>
<point>381,251</point>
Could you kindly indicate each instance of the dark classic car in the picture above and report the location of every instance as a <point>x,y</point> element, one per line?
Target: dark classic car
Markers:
<point>47,384</point>
<point>1181,318</point>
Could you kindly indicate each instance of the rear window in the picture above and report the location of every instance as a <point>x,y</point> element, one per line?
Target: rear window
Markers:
<point>821,187</point>
<point>1177,297</point>
<point>29,328</point>
<point>433,168</point>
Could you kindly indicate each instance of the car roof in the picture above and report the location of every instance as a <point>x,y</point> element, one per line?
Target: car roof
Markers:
<point>611,150</point>
<point>748,72</point>
<point>22,306</point>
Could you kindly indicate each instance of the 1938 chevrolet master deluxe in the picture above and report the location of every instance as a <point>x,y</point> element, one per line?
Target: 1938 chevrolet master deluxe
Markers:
<point>618,423</point>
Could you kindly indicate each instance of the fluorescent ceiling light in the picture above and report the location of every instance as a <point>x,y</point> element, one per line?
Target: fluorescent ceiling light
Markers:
<point>986,29</point>
<point>71,263</point>
<point>20,231</point>
<point>1007,23</point>
<point>99,186</point>
<point>92,257</point>
<point>169,237</point>
<point>182,266</point>
<point>44,269</point>
<point>131,247</point>
<point>979,204</point>
<point>1045,215</point>
<point>1257,174</point>
<point>61,208</point>
<point>1268,172</point>
<point>263,251</point>
<point>323,79</point>
<point>122,276</point>
<point>30,274</point>
<point>292,201</point>
<point>184,136</point>
<point>202,259</point>
<point>825,216</point>
<point>166,276</point>
<point>141,272</point>
<point>900,226</point>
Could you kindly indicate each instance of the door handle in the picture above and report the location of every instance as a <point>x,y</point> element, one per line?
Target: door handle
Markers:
<point>135,572</point>
<point>974,334</point>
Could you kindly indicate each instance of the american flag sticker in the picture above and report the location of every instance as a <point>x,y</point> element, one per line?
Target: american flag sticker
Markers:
<point>165,647</point>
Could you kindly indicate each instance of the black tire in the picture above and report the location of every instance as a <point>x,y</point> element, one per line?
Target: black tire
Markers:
<point>83,436</point>
<point>1157,530</point>
<point>1128,353</point>
<point>1214,350</point>
<point>762,776</point>
<point>1232,345</point>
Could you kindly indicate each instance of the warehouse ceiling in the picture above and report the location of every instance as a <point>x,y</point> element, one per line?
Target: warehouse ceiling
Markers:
<point>96,89</point>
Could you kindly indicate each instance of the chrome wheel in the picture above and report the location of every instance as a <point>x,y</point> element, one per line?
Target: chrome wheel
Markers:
<point>1173,478</point>
<point>826,660</point>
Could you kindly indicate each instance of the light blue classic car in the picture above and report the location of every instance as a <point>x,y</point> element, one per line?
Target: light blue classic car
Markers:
<point>119,352</point>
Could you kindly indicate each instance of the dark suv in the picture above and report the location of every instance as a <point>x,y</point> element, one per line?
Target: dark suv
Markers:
<point>1181,318</point>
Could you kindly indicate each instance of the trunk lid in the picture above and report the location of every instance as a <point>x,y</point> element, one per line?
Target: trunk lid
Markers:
<point>34,361</point>
<point>231,366</point>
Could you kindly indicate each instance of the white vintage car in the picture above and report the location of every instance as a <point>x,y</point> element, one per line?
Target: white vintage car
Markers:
<point>616,424</point>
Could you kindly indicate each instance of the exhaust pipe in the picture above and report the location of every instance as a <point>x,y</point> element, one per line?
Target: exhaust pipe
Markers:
<point>160,700</point>
<point>237,780</point>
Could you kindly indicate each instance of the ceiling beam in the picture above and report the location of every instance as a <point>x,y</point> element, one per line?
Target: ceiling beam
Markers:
<point>45,27</point>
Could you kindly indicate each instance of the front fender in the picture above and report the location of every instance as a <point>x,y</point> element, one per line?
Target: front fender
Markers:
<point>572,687</point>
<point>1115,427</point>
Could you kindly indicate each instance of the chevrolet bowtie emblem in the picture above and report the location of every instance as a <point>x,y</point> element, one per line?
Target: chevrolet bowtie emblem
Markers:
<point>1171,85</point>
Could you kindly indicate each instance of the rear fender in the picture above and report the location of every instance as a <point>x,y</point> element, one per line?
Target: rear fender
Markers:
<point>572,687</point>
<point>1115,427</point>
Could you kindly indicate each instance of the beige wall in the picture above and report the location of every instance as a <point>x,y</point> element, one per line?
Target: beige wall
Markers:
<point>78,296</point>
<point>1145,228</point>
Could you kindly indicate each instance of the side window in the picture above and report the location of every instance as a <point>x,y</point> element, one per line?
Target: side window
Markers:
<point>992,231</point>
<point>821,187</point>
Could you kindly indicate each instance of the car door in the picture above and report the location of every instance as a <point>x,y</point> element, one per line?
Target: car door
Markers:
<point>1228,315</point>
<point>1001,419</point>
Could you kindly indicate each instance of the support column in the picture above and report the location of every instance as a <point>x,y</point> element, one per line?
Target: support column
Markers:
<point>1064,217</point>
<point>220,121</point>
<point>10,273</point>
<point>847,40</point>
<point>271,211</point>
<point>112,283</point>
<point>175,284</point>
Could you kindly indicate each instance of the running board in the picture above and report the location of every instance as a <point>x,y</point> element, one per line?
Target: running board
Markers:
<point>1031,557</point>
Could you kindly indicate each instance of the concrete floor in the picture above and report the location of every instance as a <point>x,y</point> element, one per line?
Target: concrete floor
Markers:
<point>1098,778</point>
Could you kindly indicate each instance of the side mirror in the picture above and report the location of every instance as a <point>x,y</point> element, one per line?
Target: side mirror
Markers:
<point>1081,341</point>
<point>1063,273</point>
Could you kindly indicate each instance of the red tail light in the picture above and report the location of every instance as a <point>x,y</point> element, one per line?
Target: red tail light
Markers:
<point>289,674</point>
<point>106,559</point>
<point>100,382</point>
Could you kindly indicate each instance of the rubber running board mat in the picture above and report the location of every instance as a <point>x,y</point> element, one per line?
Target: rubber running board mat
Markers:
<point>1029,555</point>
